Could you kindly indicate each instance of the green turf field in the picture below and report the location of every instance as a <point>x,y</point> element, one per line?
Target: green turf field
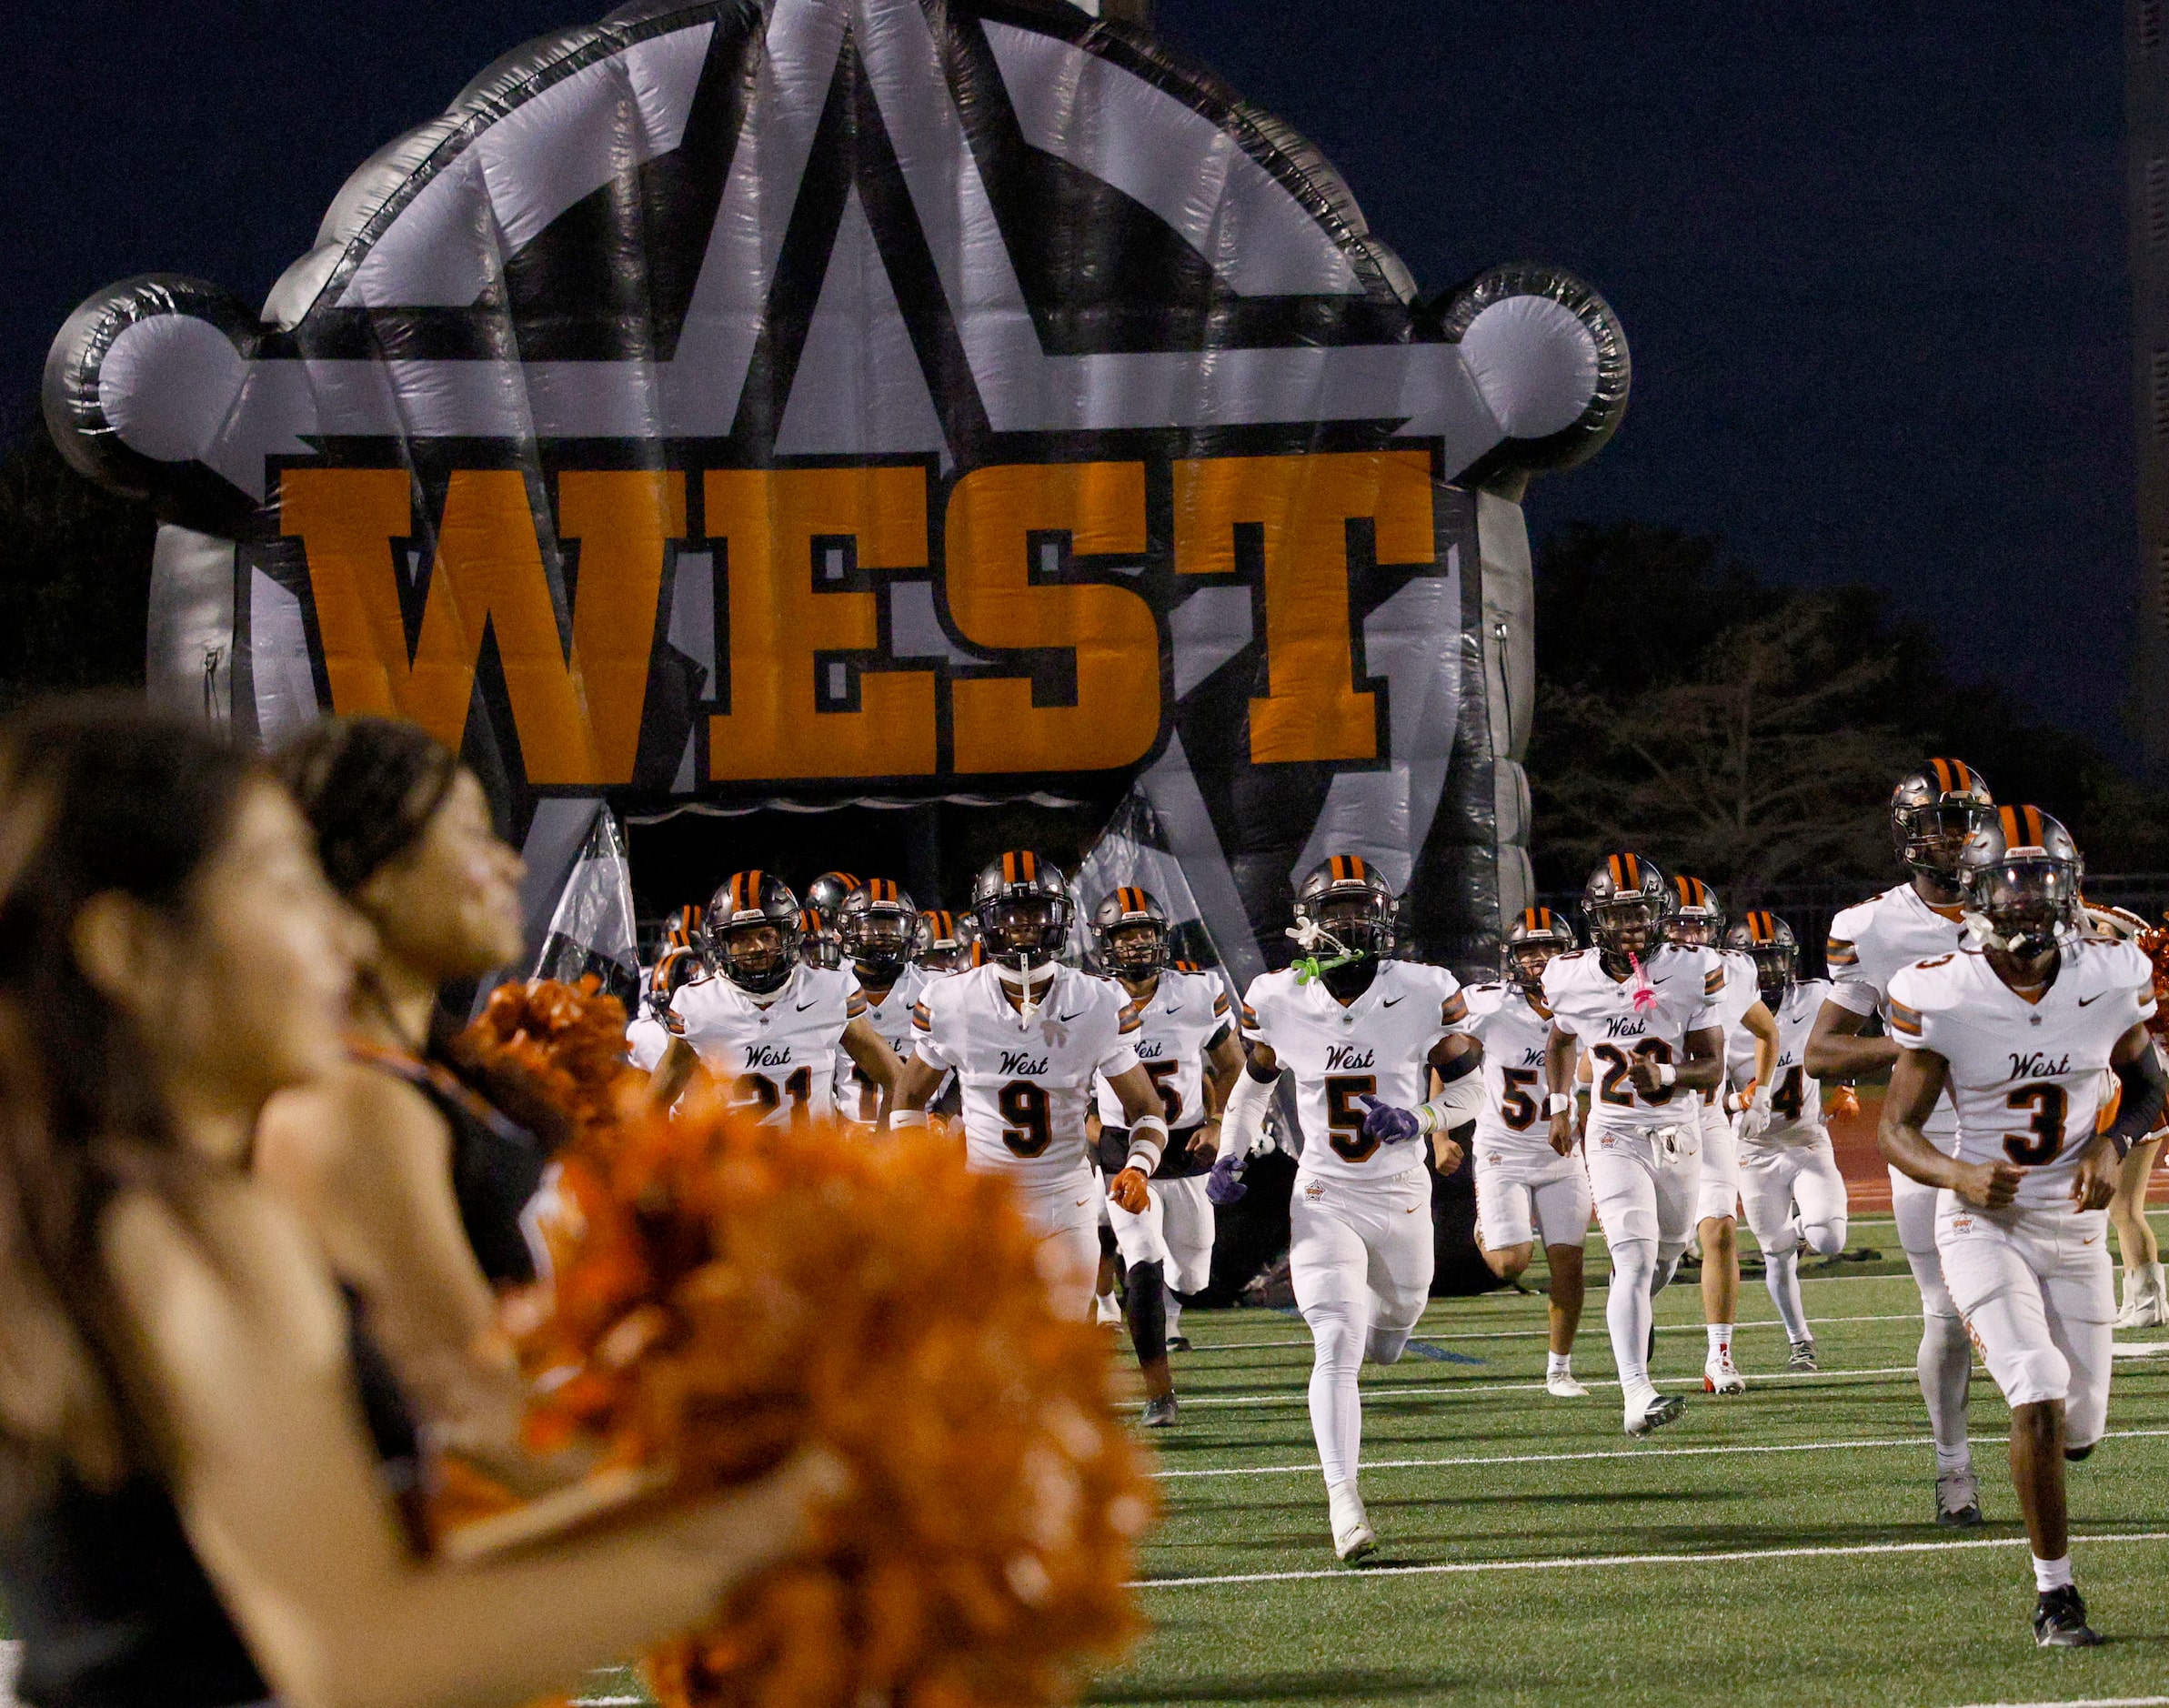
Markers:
<point>1777,1548</point>
<point>1531,1554</point>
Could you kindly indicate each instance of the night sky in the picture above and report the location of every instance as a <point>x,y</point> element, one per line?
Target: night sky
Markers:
<point>1872,266</point>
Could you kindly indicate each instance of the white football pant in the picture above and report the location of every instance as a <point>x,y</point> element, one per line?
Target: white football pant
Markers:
<point>1068,1219</point>
<point>1175,1231</point>
<point>1360,1257</point>
<point>2038,1295</point>
<point>1516,1196</point>
<point>1776,1178</point>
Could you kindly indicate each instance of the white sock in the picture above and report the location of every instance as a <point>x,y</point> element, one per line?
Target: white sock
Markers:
<point>1336,1407</point>
<point>1559,1364</point>
<point>2156,1282</point>
<point>1781,1275</point>
<point>1721,1339</point>
<point>1174,1311</point>
<point>1945,1367</point>
<point>1628,1313</point>
<point>2051,1575</point>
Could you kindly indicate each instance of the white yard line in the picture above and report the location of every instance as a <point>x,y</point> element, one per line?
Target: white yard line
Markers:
<point>1539,1334</point>
<point>1583,1564</point>
<point>2080,1701</point>
<point>1617,1453</point>
<point>1376,1392</point>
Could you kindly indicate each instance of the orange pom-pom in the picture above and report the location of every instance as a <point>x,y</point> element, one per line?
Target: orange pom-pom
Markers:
<point>722,1293</point>
<point>2154,942</point>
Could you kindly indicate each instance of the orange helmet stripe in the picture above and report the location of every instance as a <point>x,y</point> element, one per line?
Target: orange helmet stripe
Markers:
<point>1965,777</point>
<point>1029,864</point>
<point>1633,865</point>
<point>2036,834</point>
<point>1944,785</point>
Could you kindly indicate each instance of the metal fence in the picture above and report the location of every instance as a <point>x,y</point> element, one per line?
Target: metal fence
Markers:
<point>1809,908</point>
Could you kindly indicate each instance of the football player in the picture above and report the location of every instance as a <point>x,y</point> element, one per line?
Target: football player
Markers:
<point>1362,1033</point>
<point>1524,1183</point>
<point>684,930</point>
<point>2018,1028</point>
<point>878,926</point>
<point>1651,1016</point>
<point>1933,812</point>
<point>1024,1035</point>
<point>648,1038</point>
<point>2145,1289</point>
<point>821,937</point>
<point>1186,1041</point>
<point>1696,920</point>
<point>1788,1178</point>
<point>945,943</point>
<point>767,1024</point>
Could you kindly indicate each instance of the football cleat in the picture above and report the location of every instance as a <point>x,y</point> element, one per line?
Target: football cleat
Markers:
<point>2060,1620</point>
<point>1661,1409</point>
<point>1159,1411</point>
<point>1957,1500</point>
<point>1352,1535</point>
<point>1561,1385</point>
<point>1178,1343</point>
<point>1721,1375</point>
<point>1804,1357</point>
<point>1105,1311</point>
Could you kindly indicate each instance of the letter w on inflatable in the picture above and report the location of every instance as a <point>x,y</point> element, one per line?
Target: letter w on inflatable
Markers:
<point>836,401</point>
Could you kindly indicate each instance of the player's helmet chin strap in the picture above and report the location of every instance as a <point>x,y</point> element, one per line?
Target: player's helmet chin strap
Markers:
<point>1323,952</point>
<point>1021,984</point>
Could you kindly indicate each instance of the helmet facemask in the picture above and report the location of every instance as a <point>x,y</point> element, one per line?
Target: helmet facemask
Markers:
<point>1625,926</point>
<point>1343,935</point>
<point>1024,933</point>
<point>879,942</point>
<point>1692,928</point>
<point>1777,970</point>
<point>1932,837</point>
<point>1137,950</point>
<point>1525,964</point>
<point>757,957</point>
<point>2024,906</point>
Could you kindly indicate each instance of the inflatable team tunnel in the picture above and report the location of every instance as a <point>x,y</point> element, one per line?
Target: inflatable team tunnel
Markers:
<point>822,402</point>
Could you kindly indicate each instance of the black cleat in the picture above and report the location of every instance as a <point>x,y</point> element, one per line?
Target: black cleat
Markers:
<point>1663,1409</point>
<point>2060,1620</point>
<point>1160,1413</point>
<point>1178,1342</point>
<point>1957,1500</point>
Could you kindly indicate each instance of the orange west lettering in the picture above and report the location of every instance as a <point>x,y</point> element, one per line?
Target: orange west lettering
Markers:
<point>1312,709</point>
<point>781,618</point>
<point>992,515</point>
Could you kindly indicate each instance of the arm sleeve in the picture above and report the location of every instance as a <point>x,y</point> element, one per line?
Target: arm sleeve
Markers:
<point>1855,997</point>
<point>1243,1118</point>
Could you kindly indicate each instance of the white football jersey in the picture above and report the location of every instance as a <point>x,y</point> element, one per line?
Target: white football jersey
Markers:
<point>1513,1032</point>
<point>646,1039</point>
<point>856,1096</point>
<point>1188,1014</point>
<point>778,1053</point>
<point>1871,944</point>
<point>1796,1100</point>
<point>1741,992</point>
<point>2029,1077</point>
<point>1687,986</point>
<point>1378,1046</point>
<point>1027,1085</point>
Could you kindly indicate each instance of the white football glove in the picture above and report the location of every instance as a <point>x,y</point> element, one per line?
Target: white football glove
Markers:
<point>1754,1114</point>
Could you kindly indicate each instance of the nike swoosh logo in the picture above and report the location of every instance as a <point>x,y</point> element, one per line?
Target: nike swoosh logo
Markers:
<point>1066,1018</point>
<point>2094,998</point>
<point>1390,1001</point>
<point>804,1006</point>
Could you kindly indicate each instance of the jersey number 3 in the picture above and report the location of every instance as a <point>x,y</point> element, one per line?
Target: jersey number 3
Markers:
<point>2048,1103</point>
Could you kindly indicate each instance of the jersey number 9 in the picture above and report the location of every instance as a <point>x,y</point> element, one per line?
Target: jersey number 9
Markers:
<point>1024,1109</point>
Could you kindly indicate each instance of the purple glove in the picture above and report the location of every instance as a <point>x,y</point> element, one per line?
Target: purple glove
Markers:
<point>1388,1125</point>
<point>1224,1184</point>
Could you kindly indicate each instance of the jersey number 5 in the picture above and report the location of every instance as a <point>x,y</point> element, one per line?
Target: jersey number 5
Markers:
<point>1517,1108</point>
<point>2048,1104</point>
<point>1162,1073</point>
<point>1344,1116</point>
<point>1024,1111</point>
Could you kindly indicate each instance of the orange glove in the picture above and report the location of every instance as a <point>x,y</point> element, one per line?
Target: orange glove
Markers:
<point>1128,1190</point>
<point>1841,1102</point>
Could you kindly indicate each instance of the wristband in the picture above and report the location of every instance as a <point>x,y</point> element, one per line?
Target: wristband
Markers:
<point>905,1118</point>
<point>1148,1144</point>
<point>1667,1074</point>
<point>1559,1103</point>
